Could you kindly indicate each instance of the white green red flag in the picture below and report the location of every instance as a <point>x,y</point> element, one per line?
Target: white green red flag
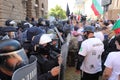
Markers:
<point>96,7</point>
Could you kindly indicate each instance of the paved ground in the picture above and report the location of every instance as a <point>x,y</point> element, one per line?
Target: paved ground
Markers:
<point>71,75</point>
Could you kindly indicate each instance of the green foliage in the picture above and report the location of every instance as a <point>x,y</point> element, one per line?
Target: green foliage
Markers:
<point>58,12</point>
<point>45,16</point>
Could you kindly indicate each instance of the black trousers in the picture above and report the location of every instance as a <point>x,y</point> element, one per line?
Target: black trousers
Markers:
<point>87,76</point>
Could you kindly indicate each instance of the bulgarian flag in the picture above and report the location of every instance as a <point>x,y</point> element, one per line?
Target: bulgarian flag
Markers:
<point>96,7</point>
<point>116,27</point>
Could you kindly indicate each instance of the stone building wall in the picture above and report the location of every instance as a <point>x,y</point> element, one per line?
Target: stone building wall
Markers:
<point>19,9</point>
<point>0,13</point>
<point>39,8</point>
<point>45,9</point>
<point>11,9</point>
<point>114,10</point>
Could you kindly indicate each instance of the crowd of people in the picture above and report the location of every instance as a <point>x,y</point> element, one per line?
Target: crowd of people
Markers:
<point>19,42</point>
<point>96,54</point>
<point>98,49</point>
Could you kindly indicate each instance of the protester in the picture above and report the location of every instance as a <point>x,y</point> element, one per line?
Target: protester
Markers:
<point>110,46</point>
<point>89,55</point>
<point>75,43</point>
<point>102,34</point>
<point>112,64</point>
<point>79,34</point>
<point>110,22</point>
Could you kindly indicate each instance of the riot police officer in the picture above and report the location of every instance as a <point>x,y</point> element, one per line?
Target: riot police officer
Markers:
<point>41,24</point>
<point>48,68</point>
<point>12,57</point>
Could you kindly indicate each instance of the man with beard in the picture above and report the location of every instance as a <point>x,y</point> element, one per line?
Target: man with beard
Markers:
<point>89,55</point>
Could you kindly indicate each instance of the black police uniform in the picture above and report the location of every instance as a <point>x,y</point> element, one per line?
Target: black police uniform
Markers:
<point>44,66</point>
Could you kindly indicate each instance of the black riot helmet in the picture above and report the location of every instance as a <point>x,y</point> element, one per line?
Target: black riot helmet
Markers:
<point>10,22</point>
<point>41,22</point>
<point>7,22</point>
<point>12,55</point>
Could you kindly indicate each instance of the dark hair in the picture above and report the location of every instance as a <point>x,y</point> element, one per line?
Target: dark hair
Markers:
<point>111,21</point>
<point>104,28</point>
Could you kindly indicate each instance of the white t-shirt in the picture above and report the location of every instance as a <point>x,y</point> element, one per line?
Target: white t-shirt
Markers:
<point>99,35</point>
<point>92,49</point>
<point>113,61</point>
<point>80,31</point>
<point>110,26</point>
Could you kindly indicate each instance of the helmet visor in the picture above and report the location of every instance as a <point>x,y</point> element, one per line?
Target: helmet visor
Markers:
<point>14,60</point>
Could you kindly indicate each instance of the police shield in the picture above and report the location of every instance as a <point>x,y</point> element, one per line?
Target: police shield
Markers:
<point>68,38</point>
<point>64,54</point>
<point>27,72</point>
<point>64,50</point>
<point>61,39</point>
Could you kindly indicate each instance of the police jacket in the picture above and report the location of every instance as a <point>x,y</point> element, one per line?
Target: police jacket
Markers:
<point>44,65</point>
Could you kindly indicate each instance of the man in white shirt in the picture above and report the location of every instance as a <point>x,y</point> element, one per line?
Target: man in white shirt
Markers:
<point>101,34</point>
<point>90,55</point>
